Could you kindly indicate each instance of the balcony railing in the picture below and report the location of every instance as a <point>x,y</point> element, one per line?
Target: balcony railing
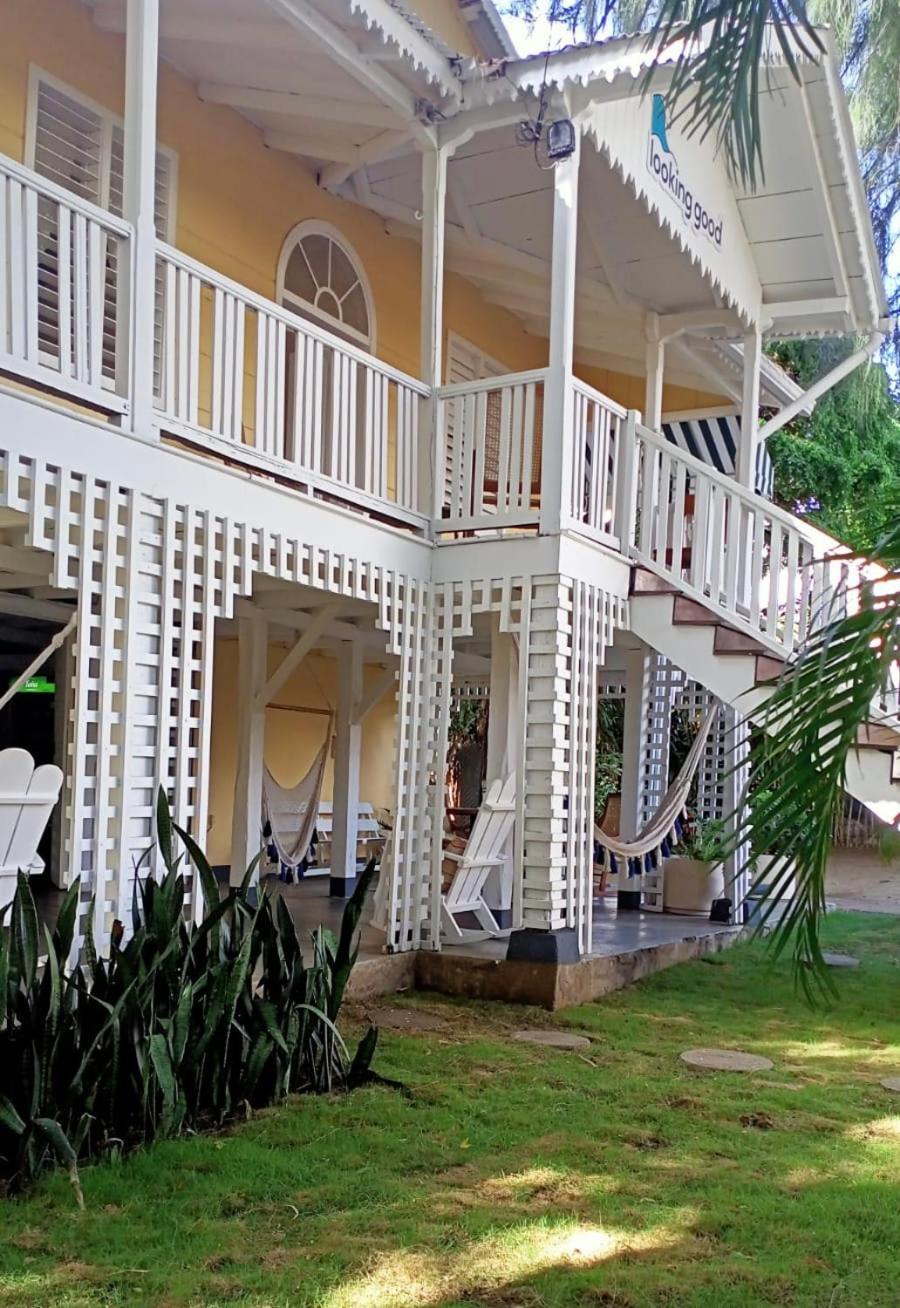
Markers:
<point>64,265</point>
<point>770,574</point>
<point>490,452</point>
<point>599,430</point>
<point>241,375</point>
<point>489,448</point>
<point>238,375</point>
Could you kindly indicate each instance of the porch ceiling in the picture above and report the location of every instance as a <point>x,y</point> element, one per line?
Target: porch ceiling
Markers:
<point>806,221</point>
<point>337,84</point>
<point>499,236</point>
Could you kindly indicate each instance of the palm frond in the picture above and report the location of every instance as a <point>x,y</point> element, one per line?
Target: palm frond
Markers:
<point>798,763</point>
<point>722,45</point>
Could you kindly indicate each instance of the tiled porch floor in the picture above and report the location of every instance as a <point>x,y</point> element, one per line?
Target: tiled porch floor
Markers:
<point>614,933</point>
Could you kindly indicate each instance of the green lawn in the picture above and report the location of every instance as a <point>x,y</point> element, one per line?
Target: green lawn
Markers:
<point>516,1177</point>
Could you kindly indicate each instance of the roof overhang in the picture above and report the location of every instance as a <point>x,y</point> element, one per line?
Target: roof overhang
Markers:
<point>355,88</point>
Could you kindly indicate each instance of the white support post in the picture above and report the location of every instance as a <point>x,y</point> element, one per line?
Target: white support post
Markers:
<point>502,752</point>
<point>637,703</point>
<point>556,455</point>
<point>246,828</point>
<point>746,460</point>
<point>138,290</point>
<point>347,750</point>
<point>434,202</point>
<point>655,360</point>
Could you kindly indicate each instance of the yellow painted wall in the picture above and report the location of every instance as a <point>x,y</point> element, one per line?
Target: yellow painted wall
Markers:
<point>237,200</point>
<point>236,203</point>
<point>292,739</point>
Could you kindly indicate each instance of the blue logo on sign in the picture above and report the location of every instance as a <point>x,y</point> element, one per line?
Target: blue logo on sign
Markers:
<point>664,167</point>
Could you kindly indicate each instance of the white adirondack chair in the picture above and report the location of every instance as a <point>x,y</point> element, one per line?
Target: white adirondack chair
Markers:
<point>486,849</point>
<point>28,796</point>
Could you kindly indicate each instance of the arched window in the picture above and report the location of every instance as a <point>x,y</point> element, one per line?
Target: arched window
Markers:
<point>320,277</point>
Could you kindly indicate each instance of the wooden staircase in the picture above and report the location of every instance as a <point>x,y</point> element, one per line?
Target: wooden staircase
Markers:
<point>741,670</point>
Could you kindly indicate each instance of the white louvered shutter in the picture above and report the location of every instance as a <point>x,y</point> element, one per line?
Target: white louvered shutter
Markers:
<point>81,148</point>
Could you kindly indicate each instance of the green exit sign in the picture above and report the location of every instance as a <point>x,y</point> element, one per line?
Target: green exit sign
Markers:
<point>37,686</point>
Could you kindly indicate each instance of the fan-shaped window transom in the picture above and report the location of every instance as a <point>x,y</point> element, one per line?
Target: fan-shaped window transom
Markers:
<point>320,276</point>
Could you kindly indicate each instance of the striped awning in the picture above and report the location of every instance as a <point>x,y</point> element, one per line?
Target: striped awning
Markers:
<point>715,441</point>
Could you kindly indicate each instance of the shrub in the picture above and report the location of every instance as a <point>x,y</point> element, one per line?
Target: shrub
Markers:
<point>181,1027</point>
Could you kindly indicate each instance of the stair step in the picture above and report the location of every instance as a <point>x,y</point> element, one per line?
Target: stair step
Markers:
<point>729,641</point>
<point>688,612</point>
<point>877,737</point>
<point>768,668</point>
<point>645,582</point>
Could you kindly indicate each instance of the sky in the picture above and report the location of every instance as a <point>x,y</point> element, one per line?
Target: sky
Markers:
<point>538,37</point>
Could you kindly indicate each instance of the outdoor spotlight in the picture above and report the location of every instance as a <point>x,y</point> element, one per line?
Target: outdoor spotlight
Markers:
<point>560,139</point>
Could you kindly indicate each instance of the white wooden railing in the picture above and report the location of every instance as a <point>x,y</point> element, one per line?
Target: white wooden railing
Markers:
<point>599,426</point>
<point>489,449</point>
<point>772,575</point>
<point>62,290</point>
<point>242,375</point>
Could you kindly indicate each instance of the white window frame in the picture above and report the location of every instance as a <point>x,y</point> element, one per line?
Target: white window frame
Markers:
<point>37,75</point>
<point>314,227</point>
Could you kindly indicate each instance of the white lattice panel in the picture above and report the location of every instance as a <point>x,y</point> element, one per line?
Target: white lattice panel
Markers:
<point>151,575</point>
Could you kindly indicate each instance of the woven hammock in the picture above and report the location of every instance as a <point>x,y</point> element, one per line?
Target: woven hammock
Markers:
<point>291,813</point>
<point>663,832</point>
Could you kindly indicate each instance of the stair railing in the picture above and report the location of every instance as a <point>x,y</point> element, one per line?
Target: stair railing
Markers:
<point>768,573</point>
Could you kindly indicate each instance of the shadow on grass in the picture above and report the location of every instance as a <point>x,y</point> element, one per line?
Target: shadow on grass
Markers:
<point>524,1178</point>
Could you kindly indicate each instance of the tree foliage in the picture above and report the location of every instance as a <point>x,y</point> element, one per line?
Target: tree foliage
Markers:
<point>840,467</point>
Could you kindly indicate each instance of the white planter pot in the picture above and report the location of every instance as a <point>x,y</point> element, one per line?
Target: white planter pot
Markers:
<point>690,886</point>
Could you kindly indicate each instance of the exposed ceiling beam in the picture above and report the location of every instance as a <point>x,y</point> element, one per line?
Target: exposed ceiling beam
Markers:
<point>297,620</point>
<point>674,324</point>
<point>24,606</point>
<point>378,149</point>
<point>310,146</point>
<point>722,385</point>
<point>24,560</point>
<point>297,653</point>
<point>246,34</point>
<point>17,580</point>
<point>807,308</point>
<point>823,195</point>
<point>297,105</point>
<point>303,17</point>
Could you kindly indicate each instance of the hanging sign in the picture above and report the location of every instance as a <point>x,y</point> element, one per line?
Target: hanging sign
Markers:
<point>36,686</point>
<point>684,190</point>
<point>684,183</point>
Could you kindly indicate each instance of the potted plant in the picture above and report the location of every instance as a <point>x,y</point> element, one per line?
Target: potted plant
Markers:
<point>696,875</point>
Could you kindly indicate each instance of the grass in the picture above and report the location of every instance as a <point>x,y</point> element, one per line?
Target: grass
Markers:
<point>518,1177</point>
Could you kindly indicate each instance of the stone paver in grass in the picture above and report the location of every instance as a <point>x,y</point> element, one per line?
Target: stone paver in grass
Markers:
<point>892,1083</point>
<point>726,1060</point>
<point>840,960</point>
<point>553,1039</point>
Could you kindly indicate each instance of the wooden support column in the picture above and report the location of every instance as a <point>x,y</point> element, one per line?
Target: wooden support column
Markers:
<point>434,202</point>
<point>746,460</point>
<point>246,822</point>
<point>504,730</point>
<point>638,669</point>
<point>347,750</point>
<point>137,304</point>
<point>655,360</point>
<point>556,452</point>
